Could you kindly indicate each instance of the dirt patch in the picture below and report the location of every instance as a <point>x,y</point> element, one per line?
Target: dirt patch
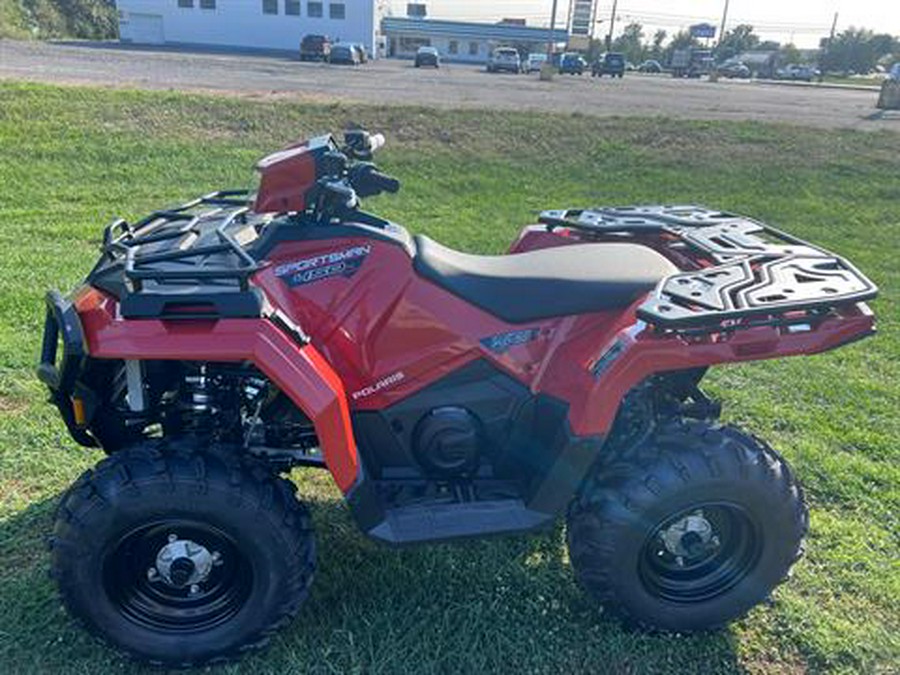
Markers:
<point>12,406</point>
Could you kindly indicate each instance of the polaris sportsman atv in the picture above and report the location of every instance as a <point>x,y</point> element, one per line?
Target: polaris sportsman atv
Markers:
<point>217,345</point>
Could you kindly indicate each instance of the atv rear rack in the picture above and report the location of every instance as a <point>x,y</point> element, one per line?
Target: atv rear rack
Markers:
<point>745,269</point>
<point>183,262</point>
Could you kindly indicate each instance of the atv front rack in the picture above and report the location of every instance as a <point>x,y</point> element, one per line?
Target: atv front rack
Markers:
<point>744,268</point>
<point>183,262</point>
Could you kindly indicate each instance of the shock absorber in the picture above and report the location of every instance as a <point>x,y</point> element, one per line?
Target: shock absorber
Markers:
<point>196,401</point>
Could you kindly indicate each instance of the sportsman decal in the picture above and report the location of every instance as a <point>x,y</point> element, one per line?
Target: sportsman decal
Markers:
<point>343,263</point>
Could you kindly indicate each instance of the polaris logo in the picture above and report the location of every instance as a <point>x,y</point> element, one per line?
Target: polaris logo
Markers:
<point>338,263</point>
<point>384,383</point>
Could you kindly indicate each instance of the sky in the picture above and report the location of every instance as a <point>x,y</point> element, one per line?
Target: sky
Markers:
<point>802,22</point>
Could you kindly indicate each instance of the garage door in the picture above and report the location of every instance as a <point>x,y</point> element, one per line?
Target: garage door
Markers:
<point>146,28</point>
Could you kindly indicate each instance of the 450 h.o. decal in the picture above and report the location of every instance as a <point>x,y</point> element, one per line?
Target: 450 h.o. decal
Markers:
<point>343,263</point>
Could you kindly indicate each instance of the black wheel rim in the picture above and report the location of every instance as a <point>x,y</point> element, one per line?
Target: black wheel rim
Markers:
<point>702,567</point>
<point>154,603</point>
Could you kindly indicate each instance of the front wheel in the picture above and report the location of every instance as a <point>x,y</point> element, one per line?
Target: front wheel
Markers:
<point>182,558</point>
<point>692,538</point>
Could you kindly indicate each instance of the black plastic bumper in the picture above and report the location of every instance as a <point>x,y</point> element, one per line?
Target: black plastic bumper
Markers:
<point>63,353</point>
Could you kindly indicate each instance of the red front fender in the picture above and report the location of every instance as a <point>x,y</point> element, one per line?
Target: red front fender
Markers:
<point>299,370</point>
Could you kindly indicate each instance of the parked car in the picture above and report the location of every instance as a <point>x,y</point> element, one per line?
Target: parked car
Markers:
<point>572,64</point>
<point>733,70</point>
<point>504,58</point>
<point>630,67</point>
<point>534,62</point>
<point>428,56</point>
<point>650,66</point>
<point>344,54</point>
<point>797,72</point>
<point>611,63</point>
<point>315,48</point>
<point>894,73</point>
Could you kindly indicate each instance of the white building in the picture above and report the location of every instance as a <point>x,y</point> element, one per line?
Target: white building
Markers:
<point>250,24</point>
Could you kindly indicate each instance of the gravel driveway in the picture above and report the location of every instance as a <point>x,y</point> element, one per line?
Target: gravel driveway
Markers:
<point>453,85</point>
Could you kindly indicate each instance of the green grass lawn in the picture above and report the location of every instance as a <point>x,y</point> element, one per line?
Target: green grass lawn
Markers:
<point>856,80</point>
<point>72,158</point>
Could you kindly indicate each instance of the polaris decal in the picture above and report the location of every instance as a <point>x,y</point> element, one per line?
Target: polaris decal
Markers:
<point>501,342</point>
<point>383,383</point>
<point>338,263</point>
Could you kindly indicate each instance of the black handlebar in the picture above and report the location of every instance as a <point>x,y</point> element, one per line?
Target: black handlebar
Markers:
<point>345,176</point>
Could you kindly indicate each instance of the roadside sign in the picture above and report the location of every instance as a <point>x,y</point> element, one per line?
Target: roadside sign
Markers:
<point>703,30</point>
<point>578,43</point>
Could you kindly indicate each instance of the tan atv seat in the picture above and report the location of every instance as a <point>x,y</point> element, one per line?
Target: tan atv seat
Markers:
<point>549,282</point>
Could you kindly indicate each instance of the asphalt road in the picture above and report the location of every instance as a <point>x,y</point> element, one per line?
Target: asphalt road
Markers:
<point>453,85</point>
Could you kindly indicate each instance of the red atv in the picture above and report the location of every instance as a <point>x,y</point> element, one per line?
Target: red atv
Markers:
<point>217,345</point>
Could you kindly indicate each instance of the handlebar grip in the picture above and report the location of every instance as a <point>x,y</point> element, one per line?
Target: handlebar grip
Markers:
<point>384,182</point>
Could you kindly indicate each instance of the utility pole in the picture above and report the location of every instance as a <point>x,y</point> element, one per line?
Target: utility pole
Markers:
<point>827,49</point>
<point>724,20</point>
<point>612,25</point>
<point>552,31</point>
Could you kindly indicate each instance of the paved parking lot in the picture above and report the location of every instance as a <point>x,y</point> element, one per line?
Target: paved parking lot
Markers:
<point>454,85</point>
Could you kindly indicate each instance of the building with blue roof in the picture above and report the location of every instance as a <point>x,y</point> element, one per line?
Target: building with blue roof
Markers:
<point>463,41</point>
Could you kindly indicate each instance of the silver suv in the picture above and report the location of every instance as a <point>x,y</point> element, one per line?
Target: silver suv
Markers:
<point>504,58</point>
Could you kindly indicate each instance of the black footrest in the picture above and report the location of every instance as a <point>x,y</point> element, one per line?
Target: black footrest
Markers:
<point>430,522</point>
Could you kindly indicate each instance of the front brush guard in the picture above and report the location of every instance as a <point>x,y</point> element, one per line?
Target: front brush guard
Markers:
<point>59,369</point>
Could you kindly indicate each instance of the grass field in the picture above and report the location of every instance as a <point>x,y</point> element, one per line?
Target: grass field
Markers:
<point>72,158</point>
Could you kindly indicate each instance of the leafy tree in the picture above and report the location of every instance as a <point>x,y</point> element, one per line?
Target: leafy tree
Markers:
<point>630,42</point>
<point>736,41</point>
<point>790,54</point>
<point>855,50</point>
<point>656,49</point>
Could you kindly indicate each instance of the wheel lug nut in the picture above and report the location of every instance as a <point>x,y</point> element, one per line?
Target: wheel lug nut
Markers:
<point>195,589</point>
<point>152,573</point>
<point>173,537</point>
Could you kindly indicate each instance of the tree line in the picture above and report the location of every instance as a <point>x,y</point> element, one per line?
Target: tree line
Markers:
<point>855,50</point>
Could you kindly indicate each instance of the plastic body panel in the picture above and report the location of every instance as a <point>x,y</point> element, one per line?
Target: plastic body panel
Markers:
<point>388,333</point>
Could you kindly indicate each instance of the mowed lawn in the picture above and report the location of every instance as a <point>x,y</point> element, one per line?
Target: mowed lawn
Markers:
<point>73,158</point>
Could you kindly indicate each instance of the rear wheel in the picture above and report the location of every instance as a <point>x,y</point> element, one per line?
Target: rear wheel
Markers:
<point>182,558</point>
<point>693,537</point>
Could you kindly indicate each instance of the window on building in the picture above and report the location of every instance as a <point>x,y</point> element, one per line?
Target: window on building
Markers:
<point>207,4</point>
<point>292,7</point>
<point>270,6</point>
<point>473,49</point>
<point>187,4</point>
<point>453,47</point>
<point>337,10</point>
<point>314,10</point>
